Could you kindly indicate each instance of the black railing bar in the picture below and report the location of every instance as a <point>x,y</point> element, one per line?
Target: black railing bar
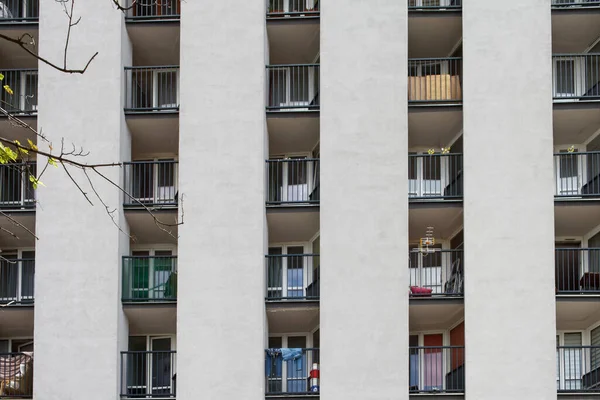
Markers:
<point>576,248</point>
<point>146,257</point>
<point>284,160</point>
<point>291,255</point>
<point>304,349</point>
<point>573,55</point>
<point>575,153</point>
<point>174,17</point>
<point>151,67</point>
<point>437,155</point>
<point>151,162</point>
<point>275,66</point>
<point>434,59</point>
<point>436,347</point>
<point>150,352</point>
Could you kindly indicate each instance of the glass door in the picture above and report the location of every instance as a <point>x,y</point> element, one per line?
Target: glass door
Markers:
<point>9,278</point>
<point>161,267</point>
<point>140,274</point>
<point>166,84</point>
<point>569,173</point>
<point>296,371</point>
<point>161,368</point>
<point>295,271</point>
<point>27,274</point>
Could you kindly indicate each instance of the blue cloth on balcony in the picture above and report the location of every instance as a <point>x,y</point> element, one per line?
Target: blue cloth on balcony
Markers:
<point>273,362</point>
<point>293,355</point>
<point>414,370</point>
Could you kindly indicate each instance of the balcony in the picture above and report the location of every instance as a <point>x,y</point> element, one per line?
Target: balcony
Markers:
<point>19,11</point>
<point>434,5</point>
<point>159,10</point>
<point>293,87</point>
<point>292,277</point>
<point>435,81</point>
<point>577,175</point>
<point>149,279</point>
<point>574,4</point>
<point>292,372</point>
<point>577,271</point>
<point>148,374</point>
<point>16,280</point>
<point>437,369</point>
<point>436,273</point>
<point>578,369</point>
<point>576,77</point>
<point>16,375</point>
<point>292,8</point>
<point>293,182</point>
<point>24,84</point>
<point>151,184</point>
<point>16,190</point>
<point>435,177</point>
<point>152,89</point>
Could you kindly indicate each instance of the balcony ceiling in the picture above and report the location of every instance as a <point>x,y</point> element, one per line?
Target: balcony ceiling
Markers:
<point>154,43</point>
<point>576,218</point>
<point>574,31</point>
<point>11,131</point>
<point>433,34</point>
<point>293,135</point>
<point>16,321</point>
<point>575,125</point>
<point>426,316</point>
<point>24,238</point>
<point>293,225</point>
<point>293,42</point>
<point>153,134</point>
<point>151,319</point>
<point>446,219</point>
<point>576,314</point>
<point>295,318</point>
<point>433,126</point>
<point>11,55</point>
<point>144,229</point>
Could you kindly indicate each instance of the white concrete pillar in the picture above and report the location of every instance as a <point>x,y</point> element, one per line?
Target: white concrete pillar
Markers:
<point>220,328</point>
<point>364,200</point>
<point>509,211</point>
<point>79,323</point>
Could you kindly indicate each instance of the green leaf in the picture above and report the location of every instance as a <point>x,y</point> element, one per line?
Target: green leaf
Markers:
<point>35,181</point>
<point>8,90</point>
<point>52,162</point>
<point>32,145</point>
<point>1,77</point>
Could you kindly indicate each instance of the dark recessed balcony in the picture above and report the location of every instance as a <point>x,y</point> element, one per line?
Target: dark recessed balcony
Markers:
<point>436,273</point>
<point>292,372</point>
<point>434,5</point>
<point>577,271</point>
<point>292,8</point>
<point>152,89</point>
<point>576,77</point>
<point>437,369</point>
<point>574,4</point>
<point>434,177</point>
<point>19,11</point>
<point>148,374</point>
<point>17,279</point>
<point>293,182</point>
<point>151,184</point>
<point>24,86</point>
<point>16,190</point>
<point>293,87</point>
<point>293,277</point>
<point>16,375</point>
<point>578,369</point>
<point>149,279</point>
<point>577,175</point>
<point>158,10</point>
<point>435,81</point>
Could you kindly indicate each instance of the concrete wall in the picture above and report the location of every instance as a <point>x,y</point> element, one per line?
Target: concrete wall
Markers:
<point>364,209</point>
<point>79,323</point>
<point>220,323</point>
<point>509,215</point>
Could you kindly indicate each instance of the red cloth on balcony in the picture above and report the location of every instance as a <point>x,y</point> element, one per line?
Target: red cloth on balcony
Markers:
<point>420,291</point>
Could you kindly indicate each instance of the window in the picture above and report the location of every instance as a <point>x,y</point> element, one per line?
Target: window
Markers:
<point>426,268</point>
<point>595,351</point>
<point>287,270</point>
<point>294,87</point>
<point>17,270</point>
<point>151,274</point>
<point>569,368</point>
<point>568,173</point>
<point>153,181</point>
<point>427,174</point>
<point>150,366</point>
<point>292,179</point>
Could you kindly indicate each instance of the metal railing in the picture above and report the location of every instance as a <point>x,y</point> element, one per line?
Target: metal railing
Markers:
<point>578,368</point>
<point>16,280</point>
<point>434,5</point>
<point>292,8</point>
<point>576,76</point>
<point>435,176</point>
<point>437,369</point>
<point>151,183</point>
<point>436,272</point>
<point>152,88</point>
<point>149,279</point>
<point>19,11</point>
<point>293,87</point>
<point>293,181</point>
<point>575,3</point>
<point>22,98</point>
<point>577,270</point>
<point>16,190</point>
<point>16,375</point>
<point>435,80</point>
<point>577,174</point>
<point>293,277</point>
<point>292,371</point>
<point>153,9</point>
<point>148,374</point>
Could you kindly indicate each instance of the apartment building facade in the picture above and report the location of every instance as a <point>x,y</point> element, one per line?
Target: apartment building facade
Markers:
<point>447,151</point>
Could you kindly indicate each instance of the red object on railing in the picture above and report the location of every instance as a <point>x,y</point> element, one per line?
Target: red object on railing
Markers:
<point>421,291</point>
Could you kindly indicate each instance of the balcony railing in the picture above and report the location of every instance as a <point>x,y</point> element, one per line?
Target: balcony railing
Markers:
<point>16,375</point>
<point>575,3</point>
<point>16,280</point>
<point>292,8</point>
<point>435,80</point>
<point>148,374</point>
<point>434,5</point>
<point>153,10</point>
<point>435,176</point>
<point>577,270</point>
<point>19,11</point>
<point>16,190</point>
<point>149,279</point>
<point>576,76</point>
<point>293,87</point>
<point>577,174</point>
<point>437,369</point>
<point>293,277</point>
<point>578,369</point>
<point>292,371</point>
<point>151,183</point>
<point>293,181</point>
<point>24,86</point>
<point>152,89</point>
<point>436,272</point>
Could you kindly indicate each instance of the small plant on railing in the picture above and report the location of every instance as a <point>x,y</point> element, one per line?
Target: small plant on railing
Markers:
<point>571,149</point>
<point>444,150</point>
